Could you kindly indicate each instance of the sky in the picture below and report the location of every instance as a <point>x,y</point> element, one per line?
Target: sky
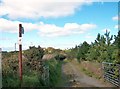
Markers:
<point>58,24</point>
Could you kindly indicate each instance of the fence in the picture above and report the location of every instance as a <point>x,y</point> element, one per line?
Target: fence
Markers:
<point>111,73</point>
<point>45,75</point>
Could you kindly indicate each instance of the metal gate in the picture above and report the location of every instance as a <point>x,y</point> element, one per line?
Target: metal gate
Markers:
<point>111,72</point>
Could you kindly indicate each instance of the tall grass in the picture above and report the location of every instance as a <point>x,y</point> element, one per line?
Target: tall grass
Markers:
<point>54,72</point>
<point>33,78</point>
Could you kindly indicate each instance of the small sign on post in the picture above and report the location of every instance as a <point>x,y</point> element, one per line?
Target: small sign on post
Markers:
<point>22,30</point>
<point>20,40</point>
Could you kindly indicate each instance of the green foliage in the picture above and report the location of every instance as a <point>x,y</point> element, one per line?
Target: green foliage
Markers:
<point>118,61</point>
<point>32,69</point>
<point>93,53</point>
<point>87,72</point>
<point>82,50</point>
<point>72,53</point>
<point>117,40</point>
<point>10,81</point>
<point>31,64</point>
<point>102,49</point>
<point>60,57</point>
<point>8,54</point>
<point>9,71</point>
<point>78,52</point>
<point>10,66</point>
<point>31,80</point>
<point>33,58</point>
<point>34,53</point>
<point>108,38</point>
<point>54,72</point>
<point>51,50</point>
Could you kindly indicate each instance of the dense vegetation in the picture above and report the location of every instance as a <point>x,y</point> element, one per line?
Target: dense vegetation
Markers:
<point>54,72</point>
<point>33,69</point>
<point>105,48</point>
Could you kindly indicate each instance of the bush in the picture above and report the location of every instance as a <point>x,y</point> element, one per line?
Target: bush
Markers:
<point>54,72</point>
<point>31,66</point>
<point>60,57</point>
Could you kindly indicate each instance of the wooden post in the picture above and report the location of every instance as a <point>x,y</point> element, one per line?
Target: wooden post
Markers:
<point>20,53</point>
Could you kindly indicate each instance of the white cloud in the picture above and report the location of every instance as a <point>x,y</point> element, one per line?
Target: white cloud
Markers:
<point>4,39</point>
<point>115,18</point>
<point>116,26</point>
<point>105,0</point>
<point>12,26</point>
<point>52,30</point>
<point>36,8</point>
<point>46,29</point>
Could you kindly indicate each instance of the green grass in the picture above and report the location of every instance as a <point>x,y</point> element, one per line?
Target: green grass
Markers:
<point>28,81</point>
<point>54,72</point>
<point>33,79</point>
<point>89,73</point>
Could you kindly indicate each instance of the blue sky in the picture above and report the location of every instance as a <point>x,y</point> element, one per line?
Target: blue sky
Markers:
<point>55,24</point>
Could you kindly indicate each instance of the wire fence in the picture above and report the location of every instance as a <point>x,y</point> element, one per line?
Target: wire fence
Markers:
<point>111,72</point>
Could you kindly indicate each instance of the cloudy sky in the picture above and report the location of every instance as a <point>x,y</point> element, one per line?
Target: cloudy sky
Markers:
<point>59,24</point>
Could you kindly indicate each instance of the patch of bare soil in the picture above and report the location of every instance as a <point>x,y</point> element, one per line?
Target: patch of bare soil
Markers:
<point>73,77</point>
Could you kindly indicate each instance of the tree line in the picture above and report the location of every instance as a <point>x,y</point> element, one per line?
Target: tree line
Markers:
<point>105,48</point>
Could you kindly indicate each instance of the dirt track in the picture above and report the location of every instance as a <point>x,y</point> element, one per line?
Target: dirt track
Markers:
<point>75,78</point>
